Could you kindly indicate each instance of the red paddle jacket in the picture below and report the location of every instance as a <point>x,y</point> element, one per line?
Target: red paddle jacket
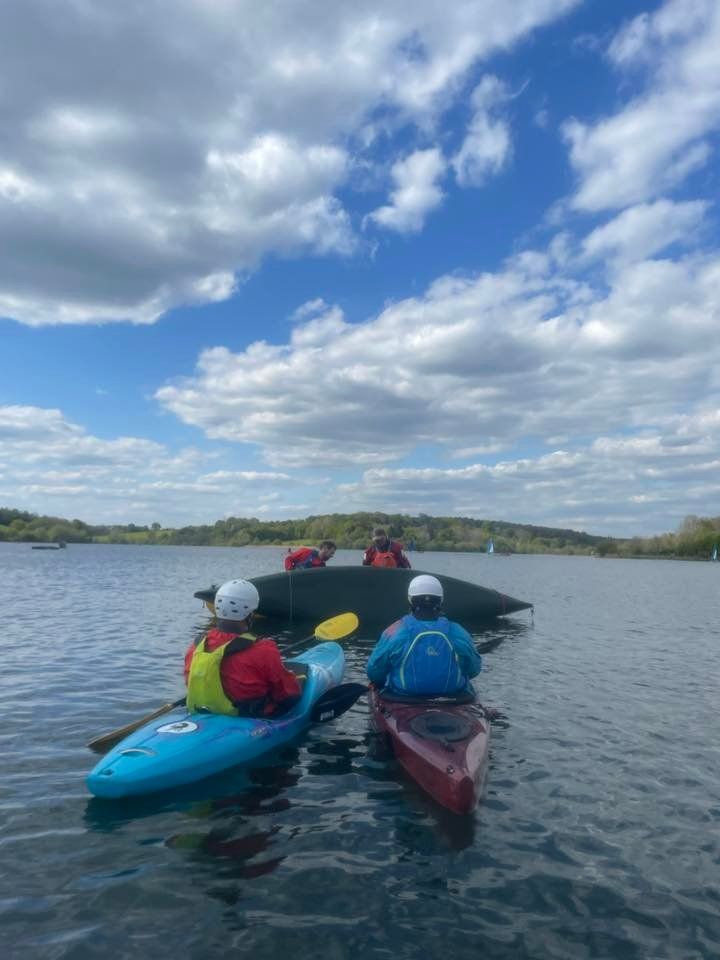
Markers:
<point>303,557</point>
<point>253,673</point>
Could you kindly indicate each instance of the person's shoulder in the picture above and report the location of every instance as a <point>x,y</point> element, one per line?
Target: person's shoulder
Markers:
<point>393,628</point>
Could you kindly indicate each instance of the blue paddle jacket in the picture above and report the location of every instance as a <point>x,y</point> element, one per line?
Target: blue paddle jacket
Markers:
<point>424,657</point>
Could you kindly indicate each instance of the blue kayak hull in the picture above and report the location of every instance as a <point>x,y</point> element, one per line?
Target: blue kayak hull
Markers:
<point>182,747</point>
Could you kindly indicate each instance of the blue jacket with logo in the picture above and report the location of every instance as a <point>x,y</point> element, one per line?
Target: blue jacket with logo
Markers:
<point>424,657</point>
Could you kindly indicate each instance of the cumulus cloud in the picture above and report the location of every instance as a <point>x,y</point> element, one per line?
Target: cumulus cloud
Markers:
<point>582,489</point>
<point>487,144</point>
<point>645,229</point>
<point>416,191</point>
<point>45,458</point>
<point>663,134</point>
<point>150,161</point>
<point>481,363</point>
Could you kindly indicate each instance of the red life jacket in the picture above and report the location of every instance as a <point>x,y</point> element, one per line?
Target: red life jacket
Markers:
<point>303,557</point>
<point>385,558</point>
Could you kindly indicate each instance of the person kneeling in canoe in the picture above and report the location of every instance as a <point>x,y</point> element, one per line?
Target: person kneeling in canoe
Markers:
<point>424,654</point>
<point>233,672</point>
<point>310,556</point>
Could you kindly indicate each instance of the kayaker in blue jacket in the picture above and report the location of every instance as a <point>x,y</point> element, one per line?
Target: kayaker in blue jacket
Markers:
<point>424,654</point>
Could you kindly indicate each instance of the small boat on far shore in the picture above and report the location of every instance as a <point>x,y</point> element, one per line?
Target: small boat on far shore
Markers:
<point>60,545</point>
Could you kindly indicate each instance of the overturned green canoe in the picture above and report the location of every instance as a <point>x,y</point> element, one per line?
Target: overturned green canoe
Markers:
<point>376,594</point>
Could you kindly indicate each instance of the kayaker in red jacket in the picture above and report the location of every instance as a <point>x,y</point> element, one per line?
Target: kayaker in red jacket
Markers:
<point>384,552</point>
<point>310,556</point>
<point>230,671</point>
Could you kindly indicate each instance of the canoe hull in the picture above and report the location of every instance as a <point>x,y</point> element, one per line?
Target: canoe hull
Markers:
<point>444,748</point>
<point>183,747</point>
<point>378,595</point>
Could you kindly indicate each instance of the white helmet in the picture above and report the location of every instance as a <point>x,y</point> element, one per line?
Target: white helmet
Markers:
<point>236,600</point>
<point>425,586</point>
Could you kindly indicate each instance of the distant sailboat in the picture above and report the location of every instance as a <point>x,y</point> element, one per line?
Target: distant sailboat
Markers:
<point>714,553</point>
<point>490,547</point>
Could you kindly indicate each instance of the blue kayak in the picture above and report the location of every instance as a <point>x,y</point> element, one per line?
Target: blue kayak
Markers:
<point>183,747</point>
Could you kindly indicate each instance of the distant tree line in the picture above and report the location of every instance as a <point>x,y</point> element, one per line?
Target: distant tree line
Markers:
<point>694,540</point>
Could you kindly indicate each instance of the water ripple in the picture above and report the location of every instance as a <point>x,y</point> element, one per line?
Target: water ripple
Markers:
<point>597,836</point>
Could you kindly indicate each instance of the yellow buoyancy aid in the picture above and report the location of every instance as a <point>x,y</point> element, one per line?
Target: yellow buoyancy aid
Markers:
<point>205,689</point>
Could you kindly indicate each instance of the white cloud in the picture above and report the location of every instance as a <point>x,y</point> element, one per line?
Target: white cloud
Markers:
<point>584,489</point>
<point>487,145</point>
<point>661,136</point>
<point>618,384</point>
<point>53,466</point>
<point>150,160</point>
<point>645,229</point>
<point>416,191</point>
<point>476,365</point>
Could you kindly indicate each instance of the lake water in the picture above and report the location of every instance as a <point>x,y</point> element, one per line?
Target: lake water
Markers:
<point>598,835</point>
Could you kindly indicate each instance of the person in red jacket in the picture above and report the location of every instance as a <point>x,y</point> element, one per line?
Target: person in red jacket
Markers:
<point>384,552</point>
<point>310,557</point>
<point>233,672</point>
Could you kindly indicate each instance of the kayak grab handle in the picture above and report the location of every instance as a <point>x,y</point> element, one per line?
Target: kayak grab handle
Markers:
<point>145,751</point>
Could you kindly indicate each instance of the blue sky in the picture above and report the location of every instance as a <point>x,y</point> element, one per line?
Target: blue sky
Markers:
<point>288,259</point>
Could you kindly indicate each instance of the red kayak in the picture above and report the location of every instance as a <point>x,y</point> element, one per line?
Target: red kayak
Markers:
<point>442,744</point>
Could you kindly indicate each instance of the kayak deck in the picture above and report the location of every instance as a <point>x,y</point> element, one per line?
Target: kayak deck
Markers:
<point>183,747</point>
<point>442,745</point>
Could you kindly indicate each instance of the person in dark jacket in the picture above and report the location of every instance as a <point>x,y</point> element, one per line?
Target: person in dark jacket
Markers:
<point>305,557</point>
<point>384,552</point>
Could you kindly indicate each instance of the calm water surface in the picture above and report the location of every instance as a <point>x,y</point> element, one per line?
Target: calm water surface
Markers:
<point>598,836</point>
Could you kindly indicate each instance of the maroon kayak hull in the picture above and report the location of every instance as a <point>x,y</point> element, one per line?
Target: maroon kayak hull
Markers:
<point>444,747</point>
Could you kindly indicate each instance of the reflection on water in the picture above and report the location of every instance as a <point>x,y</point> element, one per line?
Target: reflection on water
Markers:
<point>251,791</point>
<point>222,844</point>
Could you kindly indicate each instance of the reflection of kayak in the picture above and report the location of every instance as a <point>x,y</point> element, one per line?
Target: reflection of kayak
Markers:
<point>376,594</point>
<point>183,747</point>
<point>443,746</point>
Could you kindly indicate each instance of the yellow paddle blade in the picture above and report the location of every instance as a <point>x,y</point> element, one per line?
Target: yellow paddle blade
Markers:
<point>337,627</point>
